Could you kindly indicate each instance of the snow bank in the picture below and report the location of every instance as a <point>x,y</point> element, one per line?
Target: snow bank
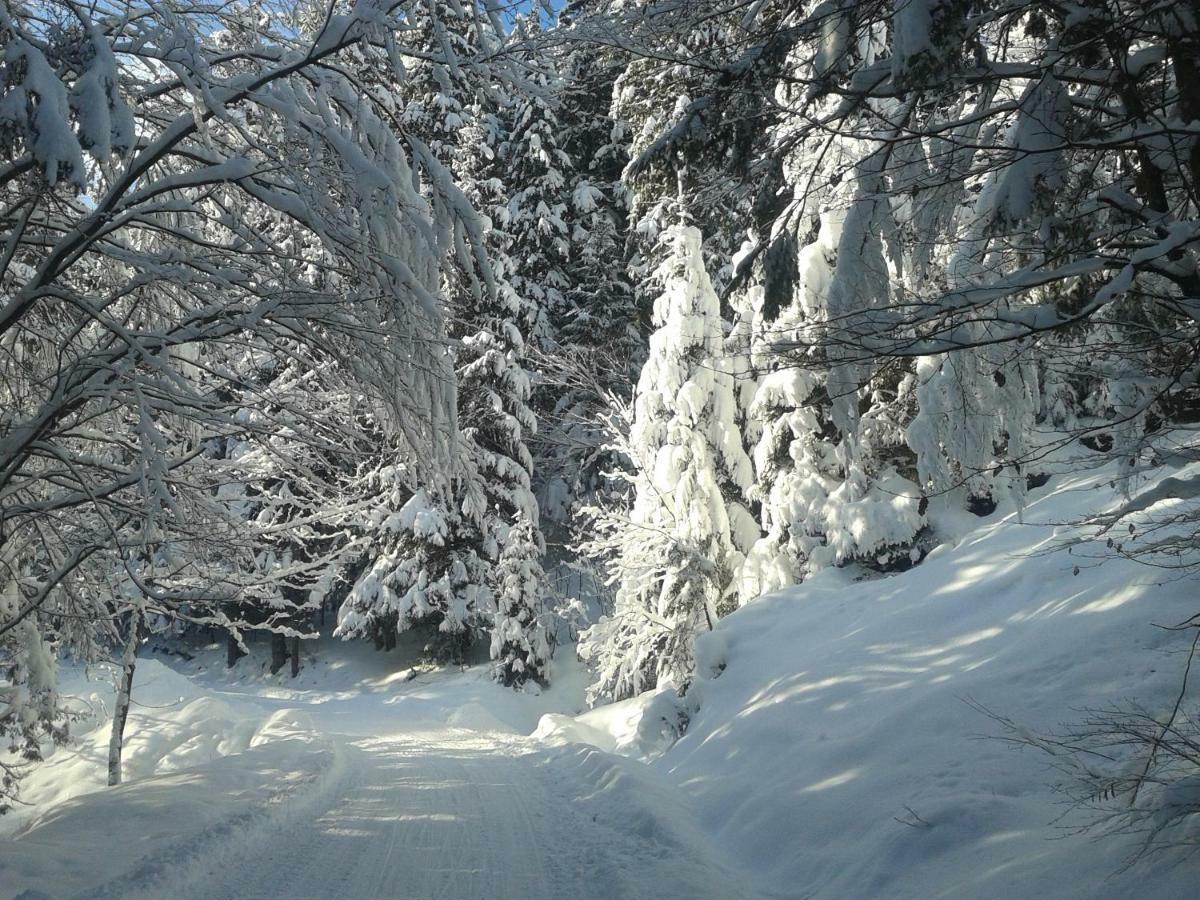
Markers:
<point>841,752</point>
<point>640,820</point>
<point>643,727</point>
<point>201,770</point>
<point>378,693</point>
<point>173,725</point>
<point>133,840</point>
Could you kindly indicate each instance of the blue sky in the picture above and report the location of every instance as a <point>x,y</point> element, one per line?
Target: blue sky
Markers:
<point>521,6</point>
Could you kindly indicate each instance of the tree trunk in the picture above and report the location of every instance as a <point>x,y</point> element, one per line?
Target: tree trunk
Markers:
<point>295,656</point>
<point>121,712</point>
<point>278,652</point>
<point>233,652</point>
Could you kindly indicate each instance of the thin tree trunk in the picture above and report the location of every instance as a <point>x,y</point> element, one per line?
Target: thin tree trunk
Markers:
<point>295,656</point>
<point>117,739</point>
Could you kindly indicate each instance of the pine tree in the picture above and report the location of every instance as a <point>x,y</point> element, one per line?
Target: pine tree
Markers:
<point>533,231</point>
<point>494,398</point>
<point>597,340</point>
<point>521,644</point>
<point>429,546</point>
<point>672,554</point>
<point>435,562</point>
<point>422,572</point>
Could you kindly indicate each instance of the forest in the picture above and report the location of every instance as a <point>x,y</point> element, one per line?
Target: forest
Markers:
<point>535,340</point>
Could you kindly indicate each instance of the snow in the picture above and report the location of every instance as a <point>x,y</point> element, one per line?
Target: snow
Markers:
<point>835,746</point>
<point>127,840</point>
<point>913,25</point>
<point>840,750</point>
<point>174,725</point>
<point>262,284</point>
<point>353,780</point>
<point>1037,138</point>
<point>51,139</point>
<point>641,727</point>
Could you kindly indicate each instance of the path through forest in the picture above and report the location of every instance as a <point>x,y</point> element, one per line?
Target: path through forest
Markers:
<point>353,801</point>
<point>456,814</point>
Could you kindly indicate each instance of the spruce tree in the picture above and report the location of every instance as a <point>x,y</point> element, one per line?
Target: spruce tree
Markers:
<point>432,560</point>
<point>598,339</point>
<point>521,644</point>
<point>672,554</point>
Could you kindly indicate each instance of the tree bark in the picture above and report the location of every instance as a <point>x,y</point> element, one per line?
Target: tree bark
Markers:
<point>116,740</point>
<point>295,656</point>
<point>232,651</point>
<point>279,653</point>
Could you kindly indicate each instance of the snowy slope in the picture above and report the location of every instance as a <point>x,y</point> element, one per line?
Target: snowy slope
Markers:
<point>136,839</point>
<point>173,725</point>
<point>840,752</point>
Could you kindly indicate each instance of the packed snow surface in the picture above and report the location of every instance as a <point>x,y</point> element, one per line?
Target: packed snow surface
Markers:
<point>354,780</point>
<point>836,748</point>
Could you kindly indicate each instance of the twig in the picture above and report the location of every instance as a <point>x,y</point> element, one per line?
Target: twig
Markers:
<point>1166,726</point>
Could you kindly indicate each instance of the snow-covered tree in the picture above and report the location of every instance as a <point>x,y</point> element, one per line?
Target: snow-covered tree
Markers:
<point>671,555</point>
<point>597,335</point>
<point>494,392</point>
<point>534,231</point>
<point>828,486</point>
<point>433,548</point>
<point>521,643</point>
<point>143,267</point>
<point>420,571</point>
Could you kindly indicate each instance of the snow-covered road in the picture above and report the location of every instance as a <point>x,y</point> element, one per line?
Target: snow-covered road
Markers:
<point>345,794</point>
<point>452,814</point>
<point>429,815</point>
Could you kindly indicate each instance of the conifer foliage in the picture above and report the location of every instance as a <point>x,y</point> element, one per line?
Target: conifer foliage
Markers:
<point>432,555</point>
<point>673,555</point>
